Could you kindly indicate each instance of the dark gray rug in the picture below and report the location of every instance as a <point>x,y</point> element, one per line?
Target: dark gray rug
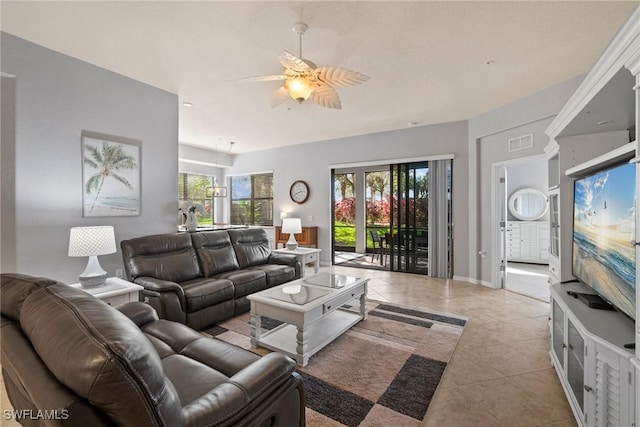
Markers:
<point>385,370</point>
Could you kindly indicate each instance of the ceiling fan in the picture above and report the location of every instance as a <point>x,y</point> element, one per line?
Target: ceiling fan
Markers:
<point>305,80</point>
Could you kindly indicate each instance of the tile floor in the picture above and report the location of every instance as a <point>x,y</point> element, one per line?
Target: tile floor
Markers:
<point>500,373</point>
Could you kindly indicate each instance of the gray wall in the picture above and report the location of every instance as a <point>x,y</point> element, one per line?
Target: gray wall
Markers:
<point>488,135</point>
<point>7,168</point>
<point>56,98</point>
<point>313,162</point>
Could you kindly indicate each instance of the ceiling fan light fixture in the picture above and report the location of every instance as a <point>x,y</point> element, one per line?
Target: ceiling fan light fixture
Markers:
<point>299,88</point>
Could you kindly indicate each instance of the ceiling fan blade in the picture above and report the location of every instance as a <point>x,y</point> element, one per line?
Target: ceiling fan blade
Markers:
<point>292,62</point>
<point>279,96</point>
<point>326,96</point>
<point>336,76</point>
<point>262,79</point>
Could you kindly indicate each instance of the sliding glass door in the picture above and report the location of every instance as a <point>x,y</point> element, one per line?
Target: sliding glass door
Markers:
<point>419,240</point>
<point>394,217</point>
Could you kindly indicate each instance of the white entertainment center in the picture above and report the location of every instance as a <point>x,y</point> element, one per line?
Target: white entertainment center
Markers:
<point>590,348</point>
<point>588,344</point>
<point>588,353</point>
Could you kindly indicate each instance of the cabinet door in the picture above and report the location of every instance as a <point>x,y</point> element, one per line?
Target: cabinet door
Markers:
<point>575,363</point>
<point>529,241</point>
<point>557,333</point>
<point>609,388</point>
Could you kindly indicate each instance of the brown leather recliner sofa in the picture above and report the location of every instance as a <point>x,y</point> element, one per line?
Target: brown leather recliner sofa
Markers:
<point>203,278</point>
<point>69,359</point>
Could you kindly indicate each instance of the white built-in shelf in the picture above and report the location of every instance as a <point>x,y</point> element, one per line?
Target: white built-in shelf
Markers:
<point>625,153</point>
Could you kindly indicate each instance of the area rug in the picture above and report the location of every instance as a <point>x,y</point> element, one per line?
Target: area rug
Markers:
<point>383,371</point>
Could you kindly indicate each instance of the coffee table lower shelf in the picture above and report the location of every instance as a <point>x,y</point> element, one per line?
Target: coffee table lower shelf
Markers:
<point>286,339</point>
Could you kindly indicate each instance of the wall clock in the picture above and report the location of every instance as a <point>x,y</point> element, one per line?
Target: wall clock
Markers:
<point>299,192</point>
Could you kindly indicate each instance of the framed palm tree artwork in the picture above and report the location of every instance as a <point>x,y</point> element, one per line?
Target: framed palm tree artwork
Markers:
<point>110,175</point>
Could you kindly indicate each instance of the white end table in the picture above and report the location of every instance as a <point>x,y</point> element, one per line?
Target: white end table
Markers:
<point>114,292</point>
<point>305,256</point>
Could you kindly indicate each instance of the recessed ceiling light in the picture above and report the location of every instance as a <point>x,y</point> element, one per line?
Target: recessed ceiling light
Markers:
<point>412,123</point>
<point>490,62</point>
<point>604,122</point>
<point>187,104</point>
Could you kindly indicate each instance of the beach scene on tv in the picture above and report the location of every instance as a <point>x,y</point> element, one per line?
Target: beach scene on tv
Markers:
<point>603,235</point>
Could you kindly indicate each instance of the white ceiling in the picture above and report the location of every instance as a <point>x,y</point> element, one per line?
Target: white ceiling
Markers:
<point>427,60</point>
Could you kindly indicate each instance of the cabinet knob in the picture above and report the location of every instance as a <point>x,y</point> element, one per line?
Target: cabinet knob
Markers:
<point>563,345</point>
<point>587,388</point>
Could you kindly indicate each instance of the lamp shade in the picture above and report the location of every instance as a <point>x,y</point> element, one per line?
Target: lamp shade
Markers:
<point>291,225</point>
<point>88,241</point>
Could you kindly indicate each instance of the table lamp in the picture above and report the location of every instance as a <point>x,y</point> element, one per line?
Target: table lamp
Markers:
<point>292,226</point>
<point>91,242</point>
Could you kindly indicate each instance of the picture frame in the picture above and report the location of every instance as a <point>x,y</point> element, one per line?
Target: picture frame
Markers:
<point>111,175</point>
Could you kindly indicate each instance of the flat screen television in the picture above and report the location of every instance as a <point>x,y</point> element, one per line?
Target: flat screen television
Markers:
<point>604,234</point>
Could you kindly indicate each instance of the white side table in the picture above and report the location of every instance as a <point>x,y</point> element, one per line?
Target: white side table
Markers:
<point>305,256</point>
<point>114,292</point>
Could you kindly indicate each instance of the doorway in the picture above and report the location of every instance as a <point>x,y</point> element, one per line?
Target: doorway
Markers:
<point>522,235</point>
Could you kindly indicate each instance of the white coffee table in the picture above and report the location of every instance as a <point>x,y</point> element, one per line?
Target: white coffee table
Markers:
<point>314,311</point>
<point>305,256</point>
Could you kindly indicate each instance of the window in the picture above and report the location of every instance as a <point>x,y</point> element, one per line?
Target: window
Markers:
<point>192,191</point>
<point>252,199</point>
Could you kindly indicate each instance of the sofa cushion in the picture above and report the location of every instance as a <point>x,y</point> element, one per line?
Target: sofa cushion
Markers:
<point>204,292</point>
<point>164,256</point>
<point>195,364</point>
<point>251,245</point>
<point>101,355</point>
<point>215,252</point>
<point>276,274</point>
<point>246,282</point>
<point>16,288</point>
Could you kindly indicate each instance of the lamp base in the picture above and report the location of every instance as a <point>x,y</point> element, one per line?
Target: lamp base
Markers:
<point>292,244</point>
<point>93,281</point>
<point>93,275</point>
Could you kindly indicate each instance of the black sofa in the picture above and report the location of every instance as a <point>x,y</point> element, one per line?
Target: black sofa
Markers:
<point>204,277</point>
<point>69,359</point>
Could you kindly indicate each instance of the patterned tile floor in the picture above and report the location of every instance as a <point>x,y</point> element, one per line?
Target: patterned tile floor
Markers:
<point>500,373</point>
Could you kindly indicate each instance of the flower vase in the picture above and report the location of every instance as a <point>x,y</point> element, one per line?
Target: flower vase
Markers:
<point>192,221</point>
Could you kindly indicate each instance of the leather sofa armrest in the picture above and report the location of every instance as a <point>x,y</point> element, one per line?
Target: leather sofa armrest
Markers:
<point>158,285</point>
<point>170,301</point>
<point>284,259</point>
<point>139,312</point>
<point>242,392</point>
